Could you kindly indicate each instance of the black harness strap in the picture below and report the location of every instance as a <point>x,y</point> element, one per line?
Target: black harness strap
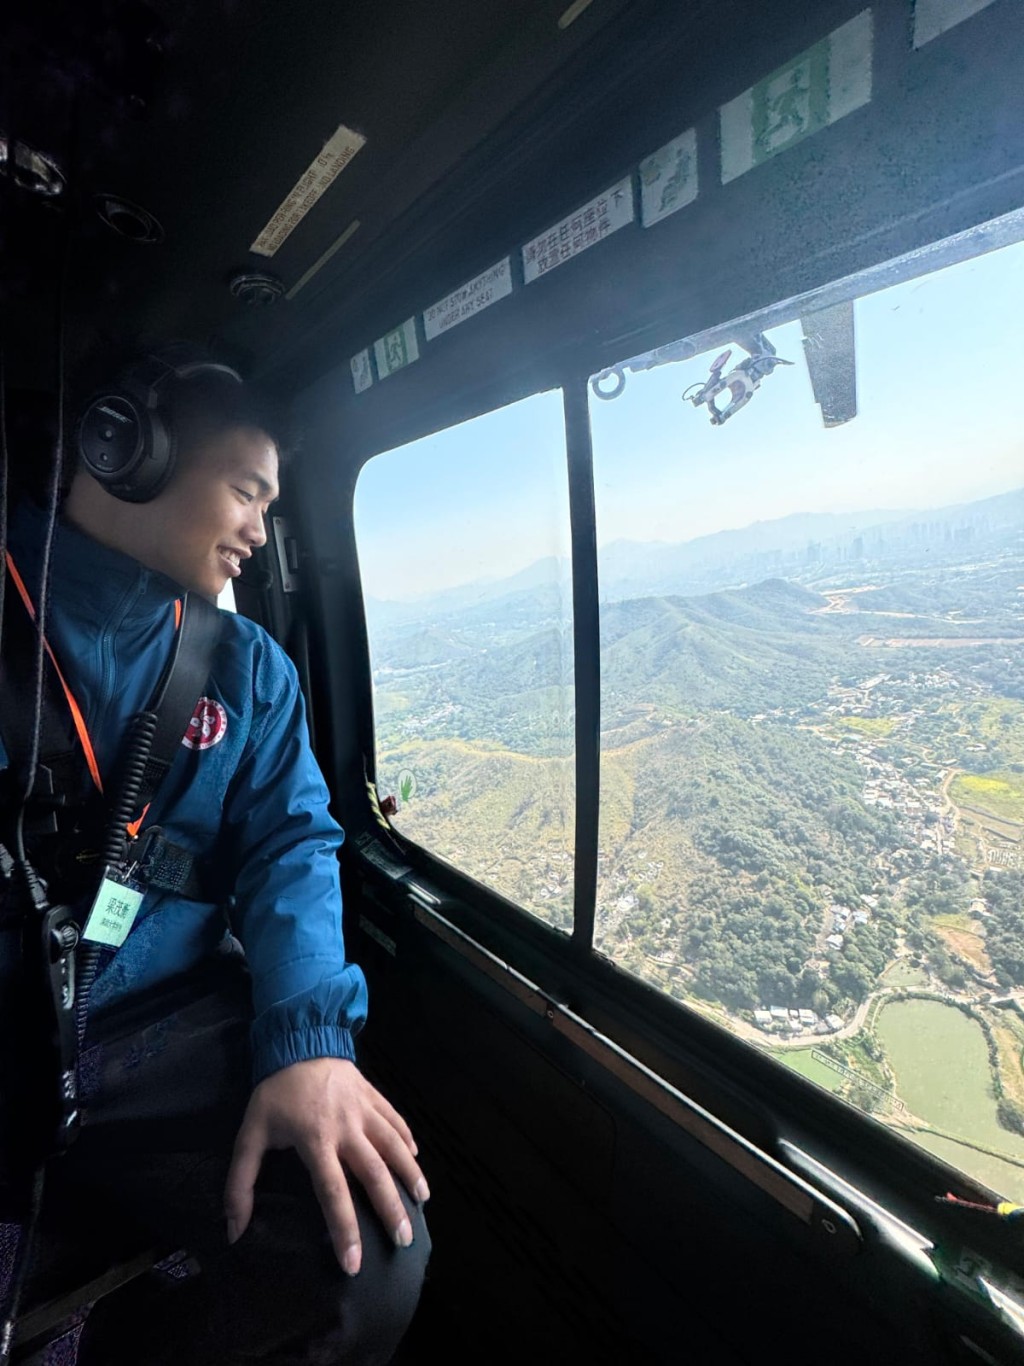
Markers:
<point>61,779</point>
<point>180,688</point>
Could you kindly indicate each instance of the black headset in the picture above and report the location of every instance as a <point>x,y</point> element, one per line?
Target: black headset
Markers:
<point>125,437</point>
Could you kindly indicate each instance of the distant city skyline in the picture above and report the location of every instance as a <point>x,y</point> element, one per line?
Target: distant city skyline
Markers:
<point>940,419</point>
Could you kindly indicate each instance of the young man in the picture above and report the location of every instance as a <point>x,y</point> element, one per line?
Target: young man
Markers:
<point>195,1067</point>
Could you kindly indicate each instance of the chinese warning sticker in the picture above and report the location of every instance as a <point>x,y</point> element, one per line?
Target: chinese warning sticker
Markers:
<point>208,726</point>
<point>590,223</point>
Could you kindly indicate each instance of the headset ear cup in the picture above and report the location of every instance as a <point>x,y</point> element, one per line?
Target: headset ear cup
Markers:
<point>123,441</point>
<point>156,464</point>
<point>125,437</point>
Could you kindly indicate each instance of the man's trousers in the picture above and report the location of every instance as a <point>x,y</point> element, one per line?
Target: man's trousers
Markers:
<point>165,1086</point>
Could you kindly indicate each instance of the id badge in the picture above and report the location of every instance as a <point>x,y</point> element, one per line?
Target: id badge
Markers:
<point>113,911</point>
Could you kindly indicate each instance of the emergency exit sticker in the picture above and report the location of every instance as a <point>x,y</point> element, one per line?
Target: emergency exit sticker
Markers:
<point>318,177</point>
<point>932,17</point>
<point>591,223</point>
<point>362,374</point>
<point>396,349</point>
<point>817,88</point>
<point>113,914</point>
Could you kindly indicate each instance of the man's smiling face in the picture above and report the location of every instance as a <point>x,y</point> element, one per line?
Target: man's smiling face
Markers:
<point>211,516</point>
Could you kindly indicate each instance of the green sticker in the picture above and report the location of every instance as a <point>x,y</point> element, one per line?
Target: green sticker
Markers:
<point>812,90</point>
<point>113,914</point>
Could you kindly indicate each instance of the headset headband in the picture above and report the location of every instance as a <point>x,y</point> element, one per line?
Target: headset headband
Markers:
<point>125,437</point>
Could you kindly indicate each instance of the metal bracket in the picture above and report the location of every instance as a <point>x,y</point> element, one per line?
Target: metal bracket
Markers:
<point>287,554</point>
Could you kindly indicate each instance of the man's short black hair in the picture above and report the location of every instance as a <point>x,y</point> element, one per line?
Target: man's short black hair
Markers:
<point>203,406</point>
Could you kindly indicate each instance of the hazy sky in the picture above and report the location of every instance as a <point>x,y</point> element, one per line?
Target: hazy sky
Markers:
<point>941,420</point>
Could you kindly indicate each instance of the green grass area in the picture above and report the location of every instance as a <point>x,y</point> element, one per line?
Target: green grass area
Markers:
<point>391,703</point>
<point>998,722</point>
<point>904,974</point>
<point>999,792</point>
<point>940,1059</point>
<point>1004,1178</point>
<point>800,1060</point>
<point>874,727</point>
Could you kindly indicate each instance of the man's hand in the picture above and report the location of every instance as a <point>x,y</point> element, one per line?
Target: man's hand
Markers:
<point>330,1115</point>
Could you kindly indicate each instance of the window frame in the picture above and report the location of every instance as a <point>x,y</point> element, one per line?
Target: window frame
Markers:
<point>950,198</point>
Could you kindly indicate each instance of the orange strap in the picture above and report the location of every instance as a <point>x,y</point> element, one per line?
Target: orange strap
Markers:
<point>133,827</point>
<point>76,711</point>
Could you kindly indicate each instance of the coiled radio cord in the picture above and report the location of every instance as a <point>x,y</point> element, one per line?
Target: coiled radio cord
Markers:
<point>141,730</point>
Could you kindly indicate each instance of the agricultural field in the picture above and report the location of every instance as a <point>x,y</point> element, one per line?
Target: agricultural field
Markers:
<point>940,1059</point>
<point>794,822</point>
<point>1001,793</point>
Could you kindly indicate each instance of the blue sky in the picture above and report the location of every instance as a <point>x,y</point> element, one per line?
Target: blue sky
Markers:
<point>941,420</point>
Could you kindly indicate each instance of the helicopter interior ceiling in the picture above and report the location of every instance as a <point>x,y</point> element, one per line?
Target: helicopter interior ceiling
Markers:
<point>148,147</point>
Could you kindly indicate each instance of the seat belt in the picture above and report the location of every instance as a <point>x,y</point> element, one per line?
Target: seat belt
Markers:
<point>158,730</point>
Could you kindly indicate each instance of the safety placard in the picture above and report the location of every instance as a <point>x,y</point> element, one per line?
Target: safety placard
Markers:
<point>590,224</point>
<point>817,88</point>
<point>932,17</point>
<point>396,349</point>
<point>472,297</point>
<point>332,159</point>
<point>362,373</point>
<point>668,178</point>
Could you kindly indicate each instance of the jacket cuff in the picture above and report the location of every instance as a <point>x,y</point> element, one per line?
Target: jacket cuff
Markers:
<point>272,1049</point>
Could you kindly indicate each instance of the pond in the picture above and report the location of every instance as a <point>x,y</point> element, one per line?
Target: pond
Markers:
<point>940,1059</point>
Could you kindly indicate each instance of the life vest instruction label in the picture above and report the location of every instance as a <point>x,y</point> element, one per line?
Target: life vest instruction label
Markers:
<point>113,913</point>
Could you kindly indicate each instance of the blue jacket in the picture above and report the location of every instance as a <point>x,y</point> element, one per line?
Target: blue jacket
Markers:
<point>246,791</point>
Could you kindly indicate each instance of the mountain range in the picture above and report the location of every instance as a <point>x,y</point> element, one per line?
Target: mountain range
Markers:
<point>807,542</point>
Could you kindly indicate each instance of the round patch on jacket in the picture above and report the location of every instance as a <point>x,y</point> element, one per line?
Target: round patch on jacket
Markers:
<point>208,726</point>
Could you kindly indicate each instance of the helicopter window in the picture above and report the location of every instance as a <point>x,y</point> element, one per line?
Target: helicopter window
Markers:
<point>463,543</point>
<point>811,543</point>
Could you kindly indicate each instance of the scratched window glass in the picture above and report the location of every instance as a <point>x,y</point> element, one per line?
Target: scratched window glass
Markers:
<point>811,552</point>
<point>464,555</point>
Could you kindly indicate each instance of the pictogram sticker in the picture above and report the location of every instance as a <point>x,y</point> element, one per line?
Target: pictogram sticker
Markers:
<point>668,178</point>
<point>396,349</point>
<point>208,726</point>
<point>815,89</point>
